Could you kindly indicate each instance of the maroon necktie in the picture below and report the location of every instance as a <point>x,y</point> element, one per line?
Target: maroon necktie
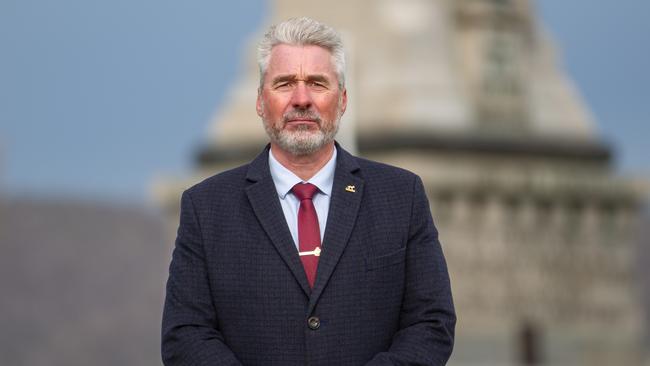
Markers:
<point>308,230</point>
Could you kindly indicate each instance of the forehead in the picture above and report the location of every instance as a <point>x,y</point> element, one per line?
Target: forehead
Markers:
<point>300,60</point>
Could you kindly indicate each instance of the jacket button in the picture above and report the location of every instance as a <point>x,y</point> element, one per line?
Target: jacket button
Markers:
<point>313,323</point>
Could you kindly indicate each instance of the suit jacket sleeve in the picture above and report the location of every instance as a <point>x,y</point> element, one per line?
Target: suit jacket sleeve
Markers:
<point>190,335</point>
<point>427,318</point>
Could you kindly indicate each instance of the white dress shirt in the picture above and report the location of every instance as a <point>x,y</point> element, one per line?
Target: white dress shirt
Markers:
<point>284,180</point>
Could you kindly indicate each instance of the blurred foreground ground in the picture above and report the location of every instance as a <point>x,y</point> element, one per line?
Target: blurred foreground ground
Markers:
<point>82,283</point>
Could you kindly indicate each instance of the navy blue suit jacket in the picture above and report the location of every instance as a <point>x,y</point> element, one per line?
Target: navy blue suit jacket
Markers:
<point>237,293</point>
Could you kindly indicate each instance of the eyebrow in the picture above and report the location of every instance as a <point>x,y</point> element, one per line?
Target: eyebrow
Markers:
<point>285,78</point>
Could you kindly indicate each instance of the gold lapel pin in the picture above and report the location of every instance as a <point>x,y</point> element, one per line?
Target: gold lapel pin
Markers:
<point>350,189</point>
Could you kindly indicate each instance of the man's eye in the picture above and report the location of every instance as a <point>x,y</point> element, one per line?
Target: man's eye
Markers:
<point>283,85</point>
<point>318,85</point>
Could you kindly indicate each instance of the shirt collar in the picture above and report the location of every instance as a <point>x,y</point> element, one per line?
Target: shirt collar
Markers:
<point>284,179</point>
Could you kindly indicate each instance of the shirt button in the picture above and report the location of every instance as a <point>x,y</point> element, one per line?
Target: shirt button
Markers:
<point>313,323</point>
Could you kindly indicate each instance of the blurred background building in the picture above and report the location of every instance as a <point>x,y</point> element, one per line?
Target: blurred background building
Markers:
<point>538,228</point>
<point>538,231</point>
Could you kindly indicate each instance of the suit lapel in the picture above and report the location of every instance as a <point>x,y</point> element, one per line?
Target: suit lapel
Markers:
<point>347,191</point>
<point>263,197</point>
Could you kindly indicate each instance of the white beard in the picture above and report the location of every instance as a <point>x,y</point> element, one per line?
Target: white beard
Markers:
<point>303,140</point>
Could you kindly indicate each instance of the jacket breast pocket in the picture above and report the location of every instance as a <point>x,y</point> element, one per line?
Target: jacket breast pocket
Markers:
<point>392,258</point>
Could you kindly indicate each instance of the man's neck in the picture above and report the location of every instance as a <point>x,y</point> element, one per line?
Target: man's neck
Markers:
<point>304,166</point>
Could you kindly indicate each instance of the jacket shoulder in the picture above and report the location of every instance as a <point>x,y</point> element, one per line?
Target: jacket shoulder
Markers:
<point>227,181</point>
<point>385,173</point>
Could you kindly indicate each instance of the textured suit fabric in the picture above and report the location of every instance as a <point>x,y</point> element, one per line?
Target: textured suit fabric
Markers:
<point>237,293</point>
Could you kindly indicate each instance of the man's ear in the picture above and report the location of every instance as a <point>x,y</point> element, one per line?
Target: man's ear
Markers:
<point>344,101</point>
<point>259,104</point>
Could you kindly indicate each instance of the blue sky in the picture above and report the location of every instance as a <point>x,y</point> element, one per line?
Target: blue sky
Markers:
<point>99,97</point>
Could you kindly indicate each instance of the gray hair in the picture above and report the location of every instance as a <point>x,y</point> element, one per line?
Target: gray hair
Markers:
<point>302,32</point>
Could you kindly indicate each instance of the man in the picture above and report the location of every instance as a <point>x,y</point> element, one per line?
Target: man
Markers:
<point>307,255</point>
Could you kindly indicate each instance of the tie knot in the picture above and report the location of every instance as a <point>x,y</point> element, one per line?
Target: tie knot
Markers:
<point>304,191</point>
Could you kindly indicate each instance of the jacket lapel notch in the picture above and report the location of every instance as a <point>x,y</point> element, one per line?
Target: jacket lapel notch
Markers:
<point>264,200</point>
<point>347,193</point>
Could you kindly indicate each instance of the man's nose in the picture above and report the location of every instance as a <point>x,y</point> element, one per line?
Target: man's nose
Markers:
<point>301,97</point>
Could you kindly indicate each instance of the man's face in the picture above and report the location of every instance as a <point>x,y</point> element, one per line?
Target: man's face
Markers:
<point>300,101</point>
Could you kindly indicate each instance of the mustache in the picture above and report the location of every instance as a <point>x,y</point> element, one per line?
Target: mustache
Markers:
<point>301,114</point>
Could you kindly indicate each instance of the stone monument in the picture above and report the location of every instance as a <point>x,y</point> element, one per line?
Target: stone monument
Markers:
<point>536,228</point>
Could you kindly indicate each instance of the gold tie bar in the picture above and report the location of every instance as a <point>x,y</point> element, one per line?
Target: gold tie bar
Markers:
<point>315,252</point>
